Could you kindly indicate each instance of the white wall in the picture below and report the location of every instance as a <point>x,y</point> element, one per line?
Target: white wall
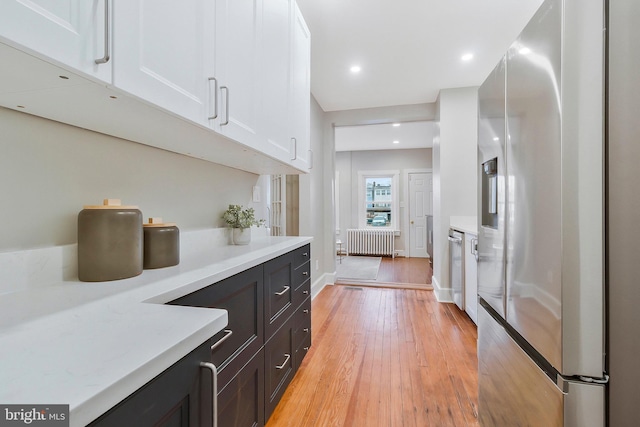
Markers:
<point>454,174</point>
<point>349,163</point>
<point>316,199</point>
<point>49,170</point>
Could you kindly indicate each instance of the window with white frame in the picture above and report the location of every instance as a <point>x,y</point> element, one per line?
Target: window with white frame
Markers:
<point>378,199</point>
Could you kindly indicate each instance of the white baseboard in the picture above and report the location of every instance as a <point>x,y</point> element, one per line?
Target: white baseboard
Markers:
<point>442,294</point>
<point>324,280</point>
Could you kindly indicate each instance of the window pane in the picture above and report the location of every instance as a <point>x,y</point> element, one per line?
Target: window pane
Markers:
<point>378,201</point>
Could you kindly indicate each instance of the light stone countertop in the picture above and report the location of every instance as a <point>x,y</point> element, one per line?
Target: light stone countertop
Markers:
<point>90,345</point>
<point>465,224</point>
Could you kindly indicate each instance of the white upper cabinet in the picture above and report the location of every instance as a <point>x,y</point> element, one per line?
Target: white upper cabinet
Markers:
<point>300,117</point>
<point>237,54</point>
<point>163,53</point>
<point>276,75</point>
<point>222,80</point>
<point>74,33</point>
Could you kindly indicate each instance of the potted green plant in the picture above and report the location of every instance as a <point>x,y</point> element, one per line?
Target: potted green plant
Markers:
<point>241,220</point>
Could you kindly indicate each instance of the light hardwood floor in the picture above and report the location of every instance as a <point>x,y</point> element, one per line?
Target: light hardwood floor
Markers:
<point>384,357</point>
<point>407,273</point>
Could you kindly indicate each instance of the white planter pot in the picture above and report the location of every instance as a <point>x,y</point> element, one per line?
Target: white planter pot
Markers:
<point>241,236</point>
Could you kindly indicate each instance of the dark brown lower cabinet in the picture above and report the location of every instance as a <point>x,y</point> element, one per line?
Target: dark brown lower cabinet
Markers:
<point>256,355</point>
<point>241,402</point>
<point>279,365</point>
<point>176,398</point>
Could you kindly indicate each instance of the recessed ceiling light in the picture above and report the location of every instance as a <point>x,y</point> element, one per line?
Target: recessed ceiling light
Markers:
<point>467,57</point>
<point>396,142</point>
<point>395,125</point>
<point>524,51</point>
<point>355,69</point>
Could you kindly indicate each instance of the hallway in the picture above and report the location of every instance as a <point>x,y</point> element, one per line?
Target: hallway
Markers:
<point>384,357</point>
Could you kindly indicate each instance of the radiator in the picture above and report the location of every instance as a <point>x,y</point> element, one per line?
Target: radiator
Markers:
<point>370,242</point>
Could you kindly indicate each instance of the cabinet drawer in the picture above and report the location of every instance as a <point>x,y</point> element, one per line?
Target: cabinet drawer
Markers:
<point>279,365</point>
<point>278,287</point>
<point>301,274</point>
<point>241,402</point>
<point>173,398</point>
<point>302,324</point>
<point>301,352</point>
<point>242,296</point>
<point>301,255</point>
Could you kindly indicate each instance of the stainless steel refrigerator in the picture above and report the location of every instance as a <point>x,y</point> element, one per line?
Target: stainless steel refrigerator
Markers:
<point>544,330</point>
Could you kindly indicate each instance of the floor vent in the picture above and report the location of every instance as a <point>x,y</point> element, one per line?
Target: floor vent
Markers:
<point>352,288</point>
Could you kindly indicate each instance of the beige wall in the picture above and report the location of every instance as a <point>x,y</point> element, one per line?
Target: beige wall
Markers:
<point>49,170</point>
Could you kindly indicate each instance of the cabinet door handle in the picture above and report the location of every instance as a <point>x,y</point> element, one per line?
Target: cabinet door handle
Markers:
<point>226,103</point>
<point>295,148</point>
<point>227,334</point>
<point>305,330</point>
<point>305,292</point>
<point>306,349</point>
<point>215,97</point>
<point>107,54</point>
<point>305,273</point>
<point>214,379</point>
<point>287,357</point>
<point>305,254</point>
<point>284,291</point>
<point>305,311</point>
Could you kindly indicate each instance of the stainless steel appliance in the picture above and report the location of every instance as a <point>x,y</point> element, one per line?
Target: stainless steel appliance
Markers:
<point>456,266</point>
<point>541,276</point>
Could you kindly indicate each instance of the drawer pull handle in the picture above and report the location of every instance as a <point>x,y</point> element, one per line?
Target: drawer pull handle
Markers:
<point>284,291</point>
<point>306,330</point>
<point>305,254</point>
<point>227,334</point>
<point>306,349</point>
<point>214,378</point>
<point>286,360</point>
<point>305,273</point>
<point>107,54</point>
<point>305,292</point>
<point>305,311</point>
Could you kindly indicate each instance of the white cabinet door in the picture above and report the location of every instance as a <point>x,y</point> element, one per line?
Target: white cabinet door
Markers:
<point>237,57</point>
<point>163,53</point>
<point>277,27</point>
<point>70,32</point>
<point>300,100</point>
<point>471,277</point>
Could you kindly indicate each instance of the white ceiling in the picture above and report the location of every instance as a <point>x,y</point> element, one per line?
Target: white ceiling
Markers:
<point>381,137</point>
<point>408,49</point>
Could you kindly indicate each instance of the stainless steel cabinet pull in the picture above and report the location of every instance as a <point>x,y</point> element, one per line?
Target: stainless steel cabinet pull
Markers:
<point>295,148</point>
<point>305,330</point>
<point>305,311</point>
<point>305,273</point>
<point>107,54</point>
<point>215,98</point>
<point>305,292</point>
<point>288,356</point>
<point>226,89</point>
<point>306,349</point>
<point>214,378</point>
<point>284,291</point>
<point>227,334</point>
<point>305,254</point>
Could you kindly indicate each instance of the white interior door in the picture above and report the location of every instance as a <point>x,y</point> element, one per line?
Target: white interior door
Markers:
<point>420,189</point>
